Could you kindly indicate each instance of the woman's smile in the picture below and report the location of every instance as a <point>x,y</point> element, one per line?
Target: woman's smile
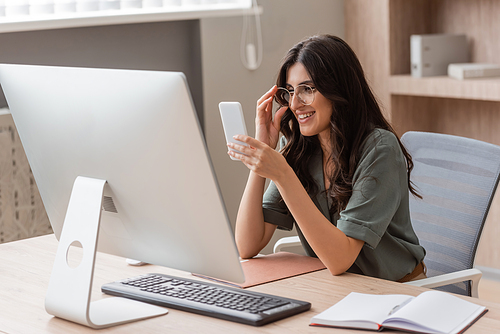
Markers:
<point>303,117</point>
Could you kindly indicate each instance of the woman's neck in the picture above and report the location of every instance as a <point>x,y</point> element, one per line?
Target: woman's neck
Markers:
<point>326,146</point>
<point>325,142</point>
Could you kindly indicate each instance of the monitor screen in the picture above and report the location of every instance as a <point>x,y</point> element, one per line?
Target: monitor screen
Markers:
<point>137,130</point>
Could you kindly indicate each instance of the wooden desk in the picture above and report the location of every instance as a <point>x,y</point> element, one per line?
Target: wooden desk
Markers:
<point>25,268</point>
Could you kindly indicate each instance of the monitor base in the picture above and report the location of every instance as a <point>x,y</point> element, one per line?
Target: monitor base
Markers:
<point>69,292</point>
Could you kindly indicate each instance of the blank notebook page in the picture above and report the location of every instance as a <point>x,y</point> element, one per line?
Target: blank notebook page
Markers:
<point>438,311</point>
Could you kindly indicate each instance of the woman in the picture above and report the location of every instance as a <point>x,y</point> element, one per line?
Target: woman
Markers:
<point>341,175</point>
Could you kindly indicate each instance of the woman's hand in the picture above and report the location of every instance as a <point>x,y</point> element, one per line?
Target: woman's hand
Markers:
<point>266,129</point>
<point>260,158</point>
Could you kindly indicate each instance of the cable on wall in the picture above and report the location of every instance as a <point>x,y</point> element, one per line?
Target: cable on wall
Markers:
<point>251,50</point>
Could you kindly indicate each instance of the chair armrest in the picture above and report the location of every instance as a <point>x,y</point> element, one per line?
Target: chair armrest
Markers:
<point>473,275</point>
<point>286,242</point>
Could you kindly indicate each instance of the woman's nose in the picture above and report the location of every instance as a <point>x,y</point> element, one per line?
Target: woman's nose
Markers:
<point>295,102</point>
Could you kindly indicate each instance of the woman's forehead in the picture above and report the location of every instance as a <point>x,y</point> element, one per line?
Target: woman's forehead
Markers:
<point>297,74</point>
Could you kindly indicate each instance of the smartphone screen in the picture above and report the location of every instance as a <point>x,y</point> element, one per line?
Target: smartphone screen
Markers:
<point>233,122</point>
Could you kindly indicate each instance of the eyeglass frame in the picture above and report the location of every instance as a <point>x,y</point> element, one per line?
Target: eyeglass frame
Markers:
<point>314,89</point>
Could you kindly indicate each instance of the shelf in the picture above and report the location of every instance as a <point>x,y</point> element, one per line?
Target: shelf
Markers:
<point>485,89</point>
<point>124,16</point>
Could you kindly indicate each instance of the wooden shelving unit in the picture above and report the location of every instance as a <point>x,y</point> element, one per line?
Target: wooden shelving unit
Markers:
<point>379,31</point>
<point>477,19</point>
<point>445,87</point>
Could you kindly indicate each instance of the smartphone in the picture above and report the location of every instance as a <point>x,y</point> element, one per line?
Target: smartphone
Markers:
<point>233,122</point>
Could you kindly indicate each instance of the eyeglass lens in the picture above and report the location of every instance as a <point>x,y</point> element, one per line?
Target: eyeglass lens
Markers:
<point>305,95</point>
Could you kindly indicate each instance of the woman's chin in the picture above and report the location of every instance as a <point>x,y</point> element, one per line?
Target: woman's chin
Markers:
<point>307,132</point>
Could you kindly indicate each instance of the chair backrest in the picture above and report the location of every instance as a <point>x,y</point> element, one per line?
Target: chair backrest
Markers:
<point>457,178</point>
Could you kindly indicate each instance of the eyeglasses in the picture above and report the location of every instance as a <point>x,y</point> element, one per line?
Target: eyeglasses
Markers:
<point>304,93</point>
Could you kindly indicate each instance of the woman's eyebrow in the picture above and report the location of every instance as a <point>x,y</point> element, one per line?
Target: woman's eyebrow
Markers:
<point>306,82</point>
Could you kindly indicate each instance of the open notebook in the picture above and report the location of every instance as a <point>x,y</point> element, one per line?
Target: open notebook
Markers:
<point>433,312</point>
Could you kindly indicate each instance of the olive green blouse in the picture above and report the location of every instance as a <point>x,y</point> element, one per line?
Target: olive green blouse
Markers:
<point>377,212</point>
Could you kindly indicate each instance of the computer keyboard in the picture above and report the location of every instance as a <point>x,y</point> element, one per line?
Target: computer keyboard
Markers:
<point>243,306</point>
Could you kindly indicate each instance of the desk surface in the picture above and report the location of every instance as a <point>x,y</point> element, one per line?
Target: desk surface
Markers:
<point>26,266</point>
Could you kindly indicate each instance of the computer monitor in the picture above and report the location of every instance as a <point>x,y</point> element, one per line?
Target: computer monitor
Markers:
<point>133,141</point>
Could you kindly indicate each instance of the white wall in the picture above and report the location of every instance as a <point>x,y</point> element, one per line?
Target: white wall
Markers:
<point>284,23</point>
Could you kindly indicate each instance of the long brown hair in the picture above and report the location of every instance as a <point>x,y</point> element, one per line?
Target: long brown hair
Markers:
<point>337,74</point>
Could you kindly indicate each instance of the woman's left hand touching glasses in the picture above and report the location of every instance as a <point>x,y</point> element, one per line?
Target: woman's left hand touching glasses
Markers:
<point>259,158</point>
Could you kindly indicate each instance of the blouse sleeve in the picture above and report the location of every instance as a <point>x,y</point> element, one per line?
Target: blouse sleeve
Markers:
<point>376,195</point>
<point>275,210</point>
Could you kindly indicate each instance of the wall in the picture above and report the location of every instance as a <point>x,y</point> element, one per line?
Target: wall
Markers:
<point>149,46</point>
<point>284,23</point>
<point>173,46</point>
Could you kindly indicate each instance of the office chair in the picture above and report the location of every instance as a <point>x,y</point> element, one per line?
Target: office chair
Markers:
<point>457,178</point>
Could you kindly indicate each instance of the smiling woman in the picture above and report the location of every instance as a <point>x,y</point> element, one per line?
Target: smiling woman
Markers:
<point>341,175</point>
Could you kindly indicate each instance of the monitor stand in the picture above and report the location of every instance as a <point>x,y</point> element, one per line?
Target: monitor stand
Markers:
<point>69,292</point>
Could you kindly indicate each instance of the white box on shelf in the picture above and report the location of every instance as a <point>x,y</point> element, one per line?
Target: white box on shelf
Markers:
<point>473,70</point>
<point>431,54</point>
